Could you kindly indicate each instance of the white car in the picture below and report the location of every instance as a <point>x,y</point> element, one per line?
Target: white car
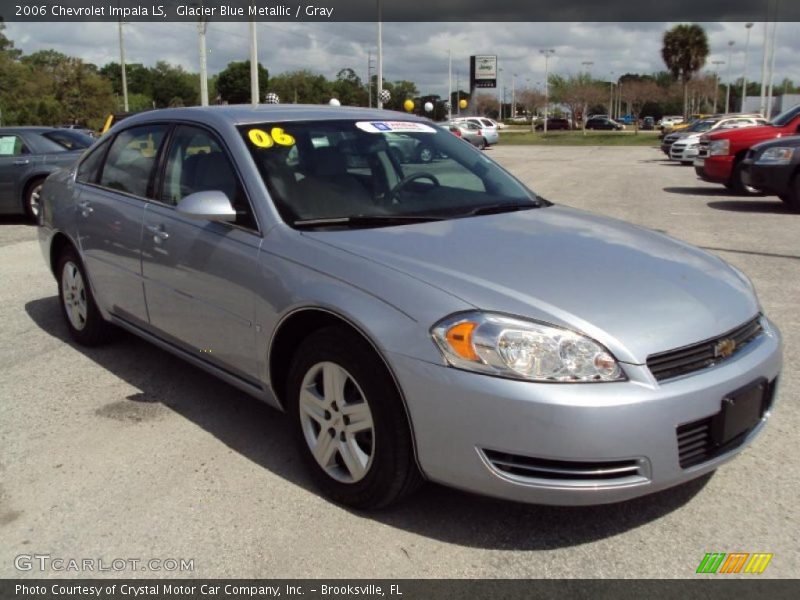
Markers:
<point>670,121</point>
<point>686,148</point>
<point>488,128</point>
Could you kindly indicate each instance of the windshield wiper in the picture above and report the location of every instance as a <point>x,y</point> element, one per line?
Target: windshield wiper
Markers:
<point>492,209</point>
<point>364,221</point>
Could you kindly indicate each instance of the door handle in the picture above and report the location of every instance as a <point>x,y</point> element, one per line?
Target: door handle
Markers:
<point>23,161</point>
<point>158,233</point>
<point>85,208</point>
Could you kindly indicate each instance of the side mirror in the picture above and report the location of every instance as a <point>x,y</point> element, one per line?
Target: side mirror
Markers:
<point>212,205</point>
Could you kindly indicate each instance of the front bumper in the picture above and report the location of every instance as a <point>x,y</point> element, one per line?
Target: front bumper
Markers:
<point>772,179</point>
<point>460,419</point>
<point>717,169</point>
<point>684,153</point>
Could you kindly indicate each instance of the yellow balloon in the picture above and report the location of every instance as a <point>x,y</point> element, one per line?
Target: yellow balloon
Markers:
<point>408,105</point>
<point>462,103</point>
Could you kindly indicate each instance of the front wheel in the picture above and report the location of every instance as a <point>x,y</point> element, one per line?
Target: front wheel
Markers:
<point>425,154</point>
<point>737,184</point>
<point>792,196</point>
<point>349,421</point>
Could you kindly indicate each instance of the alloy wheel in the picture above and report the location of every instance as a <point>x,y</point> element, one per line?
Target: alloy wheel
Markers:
<point>337,422</point>
<point>73,295</point>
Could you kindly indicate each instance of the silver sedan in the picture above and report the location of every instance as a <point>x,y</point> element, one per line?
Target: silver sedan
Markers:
<point>416,321</point>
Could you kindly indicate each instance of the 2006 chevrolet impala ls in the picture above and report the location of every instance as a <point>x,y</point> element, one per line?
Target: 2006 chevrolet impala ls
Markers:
<point>431,320</point>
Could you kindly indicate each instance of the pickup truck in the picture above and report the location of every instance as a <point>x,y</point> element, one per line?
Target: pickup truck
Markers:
<point>721,153</point>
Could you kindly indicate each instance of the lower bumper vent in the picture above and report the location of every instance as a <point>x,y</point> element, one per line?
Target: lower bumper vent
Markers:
<point>568,473</point>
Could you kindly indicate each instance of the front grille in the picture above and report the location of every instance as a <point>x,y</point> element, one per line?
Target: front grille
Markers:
<point>575,473</point>
<point>695,443</point>
<point>701,355</point>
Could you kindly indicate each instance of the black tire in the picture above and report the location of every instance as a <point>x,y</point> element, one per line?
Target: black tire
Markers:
<point>792,196</point>
<point>95,330</point>
<point>425,154</point>
<point>482,145</point>
<point>30,199</point>
<point>737,185</point>
<point>392,472</point>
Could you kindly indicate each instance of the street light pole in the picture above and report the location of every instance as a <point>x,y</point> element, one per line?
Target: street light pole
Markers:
<point>449,85</point>
<point>771,66</point>
<point>379,87</point>
<point>748,26</point>
<point>122,65</point>
<point>728,90</point>
<point>716,64</point>
<point>369,78</point>
<point>547,52</point>
<point>254,93</point>
<point>513,95</point>
<point>202,27</point>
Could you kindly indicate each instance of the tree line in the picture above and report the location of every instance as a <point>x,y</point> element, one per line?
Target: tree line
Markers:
<point>50,88</point>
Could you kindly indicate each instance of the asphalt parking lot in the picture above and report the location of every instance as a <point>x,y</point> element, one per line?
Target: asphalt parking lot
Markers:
<point>127,452</point>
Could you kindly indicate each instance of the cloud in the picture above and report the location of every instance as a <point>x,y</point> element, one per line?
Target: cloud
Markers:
<point>414,51</point>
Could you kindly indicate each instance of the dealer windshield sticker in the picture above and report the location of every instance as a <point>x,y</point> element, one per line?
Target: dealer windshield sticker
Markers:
<point>262,139</point>
<point>394,126</point>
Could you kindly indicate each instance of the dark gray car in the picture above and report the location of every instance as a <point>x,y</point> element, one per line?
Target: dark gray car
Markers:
<point>27,156</point>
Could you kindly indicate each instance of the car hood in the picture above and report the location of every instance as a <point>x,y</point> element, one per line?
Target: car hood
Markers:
<point>636,291</point>
<point>756,131</point>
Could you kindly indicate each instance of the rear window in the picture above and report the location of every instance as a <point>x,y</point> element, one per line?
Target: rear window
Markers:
<point>69,139</point>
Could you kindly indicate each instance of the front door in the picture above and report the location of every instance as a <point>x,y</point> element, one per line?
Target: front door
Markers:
<point>199,275</point>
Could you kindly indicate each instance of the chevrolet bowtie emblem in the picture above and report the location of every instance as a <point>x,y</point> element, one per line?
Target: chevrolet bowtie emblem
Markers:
<point>724,348</point>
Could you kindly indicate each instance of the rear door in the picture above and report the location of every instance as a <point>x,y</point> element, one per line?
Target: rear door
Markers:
<point>115,182</point>
<point>200,275</point>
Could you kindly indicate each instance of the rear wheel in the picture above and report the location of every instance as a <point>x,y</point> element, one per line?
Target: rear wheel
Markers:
<point>482,144</point>
<point>349,421</point>
<point>84,321</point>
<point>33,192</point>
<point>425,154</point>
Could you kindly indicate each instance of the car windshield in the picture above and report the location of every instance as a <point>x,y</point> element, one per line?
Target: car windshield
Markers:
<point>372,173</point>
<point>784,118</point>
<point>69,139</point>
<point>701,126</point>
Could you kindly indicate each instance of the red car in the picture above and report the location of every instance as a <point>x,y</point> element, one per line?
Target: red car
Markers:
<point>722,152</point>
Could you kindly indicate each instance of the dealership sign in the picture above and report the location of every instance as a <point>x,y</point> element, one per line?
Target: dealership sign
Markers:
<point>483,71</point>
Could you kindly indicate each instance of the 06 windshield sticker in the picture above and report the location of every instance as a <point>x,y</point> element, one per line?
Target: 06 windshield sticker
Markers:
<point>394,126</point>
<point>262,139</point>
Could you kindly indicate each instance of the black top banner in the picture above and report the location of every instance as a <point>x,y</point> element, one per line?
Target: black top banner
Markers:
<point>397,10</point>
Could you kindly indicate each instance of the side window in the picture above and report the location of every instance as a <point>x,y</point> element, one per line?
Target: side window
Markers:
<point>87,170</point>
<point>12,145</point>
<point>131,158</point>
<point>196,163</point>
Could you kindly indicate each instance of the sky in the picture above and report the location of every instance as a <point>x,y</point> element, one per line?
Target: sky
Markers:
<point>415,51</point>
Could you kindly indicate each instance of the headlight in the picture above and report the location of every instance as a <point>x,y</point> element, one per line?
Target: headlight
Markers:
<point>508,347</point>
<point>778,155</point>
<point>719,147</point>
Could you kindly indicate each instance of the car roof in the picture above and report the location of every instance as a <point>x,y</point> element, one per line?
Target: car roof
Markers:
<point>243,114</point>
<point>27,128</point>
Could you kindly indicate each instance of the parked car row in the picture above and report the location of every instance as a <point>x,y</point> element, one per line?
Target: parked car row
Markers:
<point>684,145</point>
<point>754,159</point>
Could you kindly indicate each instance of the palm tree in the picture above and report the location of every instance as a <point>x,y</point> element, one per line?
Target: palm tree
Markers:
<point>684,51</point>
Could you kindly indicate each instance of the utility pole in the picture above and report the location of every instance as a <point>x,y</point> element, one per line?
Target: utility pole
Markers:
<point>122,65</point>
<point>728,90</point>
<point>379,87</point>
<point>254,93</point>
<point>514,96</point>
<point>716,64</point>
<point>202,27</point>
<point>748,26</point>
<point>548,52</point>
<point>458,93</point>
<point>449,84</point>
<point>771,65</point>
<point>369,77</point>
<point>762,108</point>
